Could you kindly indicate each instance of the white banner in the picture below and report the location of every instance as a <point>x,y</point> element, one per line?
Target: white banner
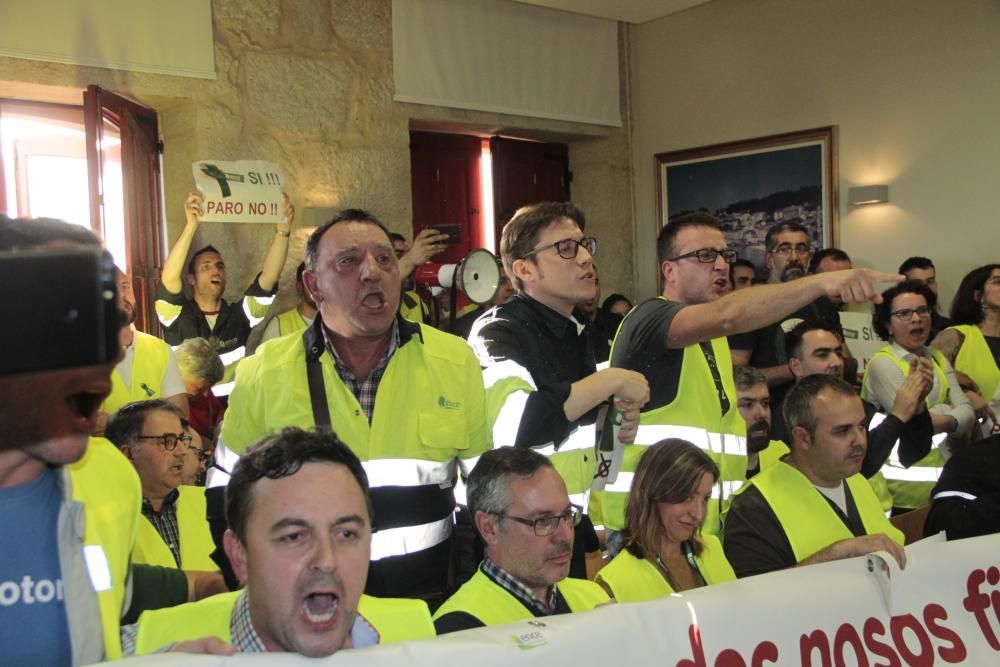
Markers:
<point>860,337</point>
<point>243,191</point>
<point>944,608</point>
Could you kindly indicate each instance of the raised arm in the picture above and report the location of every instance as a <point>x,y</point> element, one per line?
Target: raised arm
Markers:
<point>173,267</point>
<point>278,250</point>
<point>745,310</point>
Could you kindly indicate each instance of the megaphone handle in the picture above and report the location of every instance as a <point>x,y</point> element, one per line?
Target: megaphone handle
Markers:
<point>454,304</point>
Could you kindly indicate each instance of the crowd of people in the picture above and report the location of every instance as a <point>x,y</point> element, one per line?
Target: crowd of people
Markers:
<point>362,477</point>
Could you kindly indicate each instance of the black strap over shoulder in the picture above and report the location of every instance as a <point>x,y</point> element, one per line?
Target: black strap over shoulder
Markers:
<point>314,375</point>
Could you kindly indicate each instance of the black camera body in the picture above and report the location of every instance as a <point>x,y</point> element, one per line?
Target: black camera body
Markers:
<point>60,309</point>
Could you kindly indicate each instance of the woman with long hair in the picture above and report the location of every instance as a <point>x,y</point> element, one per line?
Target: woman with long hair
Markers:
<point>664,550</point>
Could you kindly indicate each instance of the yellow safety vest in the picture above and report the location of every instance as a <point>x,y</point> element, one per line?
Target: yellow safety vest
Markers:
<point>429,413</point>
<point>809,522</point>
<point>895,485</point>
<point>196,538</point>
<point>634,579</point>
<point>149,366</point>
<point>772,454</point>
<point>694,415</point>
<point>394,619</point>
<point>290,321</point>
<point>481,598</point>
<point>975,359</point>
<point>415,313</point>
<point>109,489</point>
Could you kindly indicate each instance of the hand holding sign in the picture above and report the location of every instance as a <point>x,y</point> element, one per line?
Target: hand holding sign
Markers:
<point>242,191</point>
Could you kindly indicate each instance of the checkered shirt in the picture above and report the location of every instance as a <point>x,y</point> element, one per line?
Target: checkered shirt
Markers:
<point>165,522</point>
<point>364,390</point>
<point>504,580</point>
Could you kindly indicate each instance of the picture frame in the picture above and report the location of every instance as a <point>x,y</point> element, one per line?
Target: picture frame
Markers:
<point>754,183</point>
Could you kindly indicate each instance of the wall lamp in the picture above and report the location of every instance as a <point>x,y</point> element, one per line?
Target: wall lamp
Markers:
<point>868,194</point>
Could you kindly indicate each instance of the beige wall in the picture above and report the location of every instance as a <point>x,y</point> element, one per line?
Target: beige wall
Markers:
<point>308,84</point>
<point>913,85</point>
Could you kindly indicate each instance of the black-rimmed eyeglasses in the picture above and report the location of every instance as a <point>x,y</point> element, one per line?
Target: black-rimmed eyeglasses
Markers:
<point>568,248</point>
<point>168,440</point>
<point>547,525</point>
<point>908,313</point>
<point>708,255</point>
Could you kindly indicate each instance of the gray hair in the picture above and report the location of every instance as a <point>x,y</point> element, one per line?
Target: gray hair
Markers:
<point>198,359</point>
<point>487,489</point>
<point>126,425</point>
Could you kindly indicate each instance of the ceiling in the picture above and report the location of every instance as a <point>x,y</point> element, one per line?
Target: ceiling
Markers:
<point>630,11</point>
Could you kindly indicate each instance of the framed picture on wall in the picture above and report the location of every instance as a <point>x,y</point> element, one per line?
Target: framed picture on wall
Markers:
<point>750,185</point>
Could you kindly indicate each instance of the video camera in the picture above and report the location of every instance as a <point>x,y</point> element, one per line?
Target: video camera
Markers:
<point>60,309</point>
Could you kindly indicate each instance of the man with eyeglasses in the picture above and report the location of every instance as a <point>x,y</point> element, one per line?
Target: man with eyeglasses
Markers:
<point>537,350</point>
<point>678,342</point>
<point>174,533</point>
<point>523,513</point>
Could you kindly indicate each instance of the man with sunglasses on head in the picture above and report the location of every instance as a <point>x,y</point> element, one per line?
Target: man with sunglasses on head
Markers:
<point>537,351</point>
<point>174,533</point>
<point>677,341</point>
<point>521,510</point>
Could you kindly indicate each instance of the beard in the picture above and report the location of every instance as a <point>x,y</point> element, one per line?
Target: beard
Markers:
<point>758,442</point>
<point>793,271</point>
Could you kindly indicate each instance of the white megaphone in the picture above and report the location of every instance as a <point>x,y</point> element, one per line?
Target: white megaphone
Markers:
<point>477,275</point>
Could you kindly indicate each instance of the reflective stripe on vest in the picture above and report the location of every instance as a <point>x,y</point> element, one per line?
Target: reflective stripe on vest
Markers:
<point>722,489</point>
<point>409,472</point>
<point>954,494</point>
<point>715,443</point>
<point>583,437</point>
<point>410,539</point>
<point>233,356</point>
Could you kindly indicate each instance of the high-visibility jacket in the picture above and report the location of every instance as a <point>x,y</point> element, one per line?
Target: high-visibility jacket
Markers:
<point>695,415</point>
<point>805,515</point>
<point>394,619</point>
<point>429,418</point>
<point>149,367</point>
<point>634,579</point>
<point>975,359</point>
<point>772,454</point>
<point>108,489</point>
<point>290,321</point>
<point>896,485</point>
<point>483,599</point>
<point>196,544</point>
<point>412,307</point>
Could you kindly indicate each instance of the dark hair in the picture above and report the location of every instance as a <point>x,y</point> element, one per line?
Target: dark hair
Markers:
<point>125,426</point>
<point>521,233</point>
<point>746,377</point>
<point>798,403</point>
<point>298,271</point>
<point>745,263</point>
<point>613,299</point>
<point>665,240</point>
<point>965,309</point>
<point>282,455</point>
<point>881,311</point>
<point>396,236</point>
<point>911,263</point>
<point>835,254</point>
<point>795,336</point>
<point>200,251</point>
<point>347,215</point>
<point>668,472</point>
<point>486,490</point>
<point>28,233</point>
<point>778,228</point>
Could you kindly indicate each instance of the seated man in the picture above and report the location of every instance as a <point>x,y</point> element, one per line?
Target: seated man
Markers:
<point>294,319</point>
<point>814,505</point>
<point>522,511</point>
<point>148,369</point>
<point>754,402</point>
<point>206,314</point>
<point>152,435</point>
<point>299,538</point>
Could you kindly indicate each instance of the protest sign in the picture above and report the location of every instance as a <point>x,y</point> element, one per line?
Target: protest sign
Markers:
<point>242,191</point>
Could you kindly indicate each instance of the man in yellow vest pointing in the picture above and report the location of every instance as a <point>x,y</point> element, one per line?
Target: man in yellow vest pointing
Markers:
<point>299,539</point>
<point>522,511</point>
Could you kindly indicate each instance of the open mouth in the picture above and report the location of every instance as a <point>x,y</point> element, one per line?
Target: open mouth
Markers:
<point>375,300</point>
<point>917,332</point>
<point>320,607</point>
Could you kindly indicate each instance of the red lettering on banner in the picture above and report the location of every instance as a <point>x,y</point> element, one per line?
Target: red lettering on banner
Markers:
<point>848,634</point>
<point>257,208</point>
<point>697,651</point>
<point>977,603</point>
<point>763,652</point>
<point>224,207</point>
<point>817,640</point>
<point>956,652</point>
<point>873,627</point>
<point>897,626</point>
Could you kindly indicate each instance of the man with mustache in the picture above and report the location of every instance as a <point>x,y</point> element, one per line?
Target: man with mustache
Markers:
<point>813,506</point>
<point>149,368</point>
<point>754,402</point>
<point>406,398</point>
<point>788,254</point>
<point>521,509</point>
<point>299,538</point>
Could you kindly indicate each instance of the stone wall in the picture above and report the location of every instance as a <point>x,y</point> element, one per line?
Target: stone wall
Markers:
<point>308,84</point>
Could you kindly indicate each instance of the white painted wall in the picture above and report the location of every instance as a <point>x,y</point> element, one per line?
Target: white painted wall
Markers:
<point>913,85</point>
